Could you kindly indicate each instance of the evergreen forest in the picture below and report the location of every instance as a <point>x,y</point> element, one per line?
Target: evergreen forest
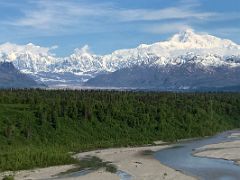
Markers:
<point>40,128</point>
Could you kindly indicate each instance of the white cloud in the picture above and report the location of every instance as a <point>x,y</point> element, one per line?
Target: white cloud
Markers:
<point>164,14</point>
<point>54,17</point>
<point>49,14</point>
<point>166,28</point>
<point>54,14</point>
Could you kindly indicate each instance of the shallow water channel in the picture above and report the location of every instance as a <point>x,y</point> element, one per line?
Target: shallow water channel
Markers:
<point>180,157</point>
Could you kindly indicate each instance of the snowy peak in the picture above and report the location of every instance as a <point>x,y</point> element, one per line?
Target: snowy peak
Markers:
<point>179,48</point>
<point>84,51</point>
<point>190,39</point>
<point>10,48</point>
<point>186,47</point>
<point>184,36</point>
<point>27,58</point>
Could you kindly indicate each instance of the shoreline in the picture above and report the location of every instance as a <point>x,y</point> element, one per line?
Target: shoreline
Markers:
<point>226,150</point>
<point>130,160</point>
<point>139,166</point>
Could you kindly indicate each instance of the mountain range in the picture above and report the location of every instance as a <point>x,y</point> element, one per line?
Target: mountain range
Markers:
<point>188,60</point>
<point>10,77</point>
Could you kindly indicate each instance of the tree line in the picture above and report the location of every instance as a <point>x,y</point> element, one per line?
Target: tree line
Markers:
<point>49,123</point>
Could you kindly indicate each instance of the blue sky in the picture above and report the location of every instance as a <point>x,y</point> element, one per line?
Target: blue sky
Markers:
<point>108,25</point>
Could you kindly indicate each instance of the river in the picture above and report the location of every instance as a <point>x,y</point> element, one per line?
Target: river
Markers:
<point>180,157</point>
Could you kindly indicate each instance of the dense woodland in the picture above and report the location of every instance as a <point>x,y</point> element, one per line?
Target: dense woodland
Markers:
<point>39,128</point>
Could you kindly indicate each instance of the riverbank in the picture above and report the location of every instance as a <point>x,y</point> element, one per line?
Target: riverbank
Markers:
<point>133,161</point>
<point>226,150</point>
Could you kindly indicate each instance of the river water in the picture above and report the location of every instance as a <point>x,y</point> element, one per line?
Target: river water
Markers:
<point>180,158</point>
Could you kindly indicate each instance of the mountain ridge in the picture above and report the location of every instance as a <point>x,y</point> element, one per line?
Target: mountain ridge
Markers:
<point>184,47</point>
<point>10,77</point>
<point>187,77</point>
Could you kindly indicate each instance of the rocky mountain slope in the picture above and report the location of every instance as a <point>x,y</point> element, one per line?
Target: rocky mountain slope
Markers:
<point>10,77</point>
<point>183,77</point>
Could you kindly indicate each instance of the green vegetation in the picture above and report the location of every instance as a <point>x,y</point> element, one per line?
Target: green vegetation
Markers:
<point>8,178</point>
<point>94,163</point>
<point>147,153</point>
<point>91,163</point>
<point>111,168</point>
<point>39,128</point>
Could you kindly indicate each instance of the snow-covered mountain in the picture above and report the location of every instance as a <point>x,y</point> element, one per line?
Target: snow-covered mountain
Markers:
<point>27,58</point>
<point>186,47</point>
<point>207,50</point>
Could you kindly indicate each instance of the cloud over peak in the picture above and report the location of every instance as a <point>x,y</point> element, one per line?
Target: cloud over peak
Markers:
<point>110,25</point>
